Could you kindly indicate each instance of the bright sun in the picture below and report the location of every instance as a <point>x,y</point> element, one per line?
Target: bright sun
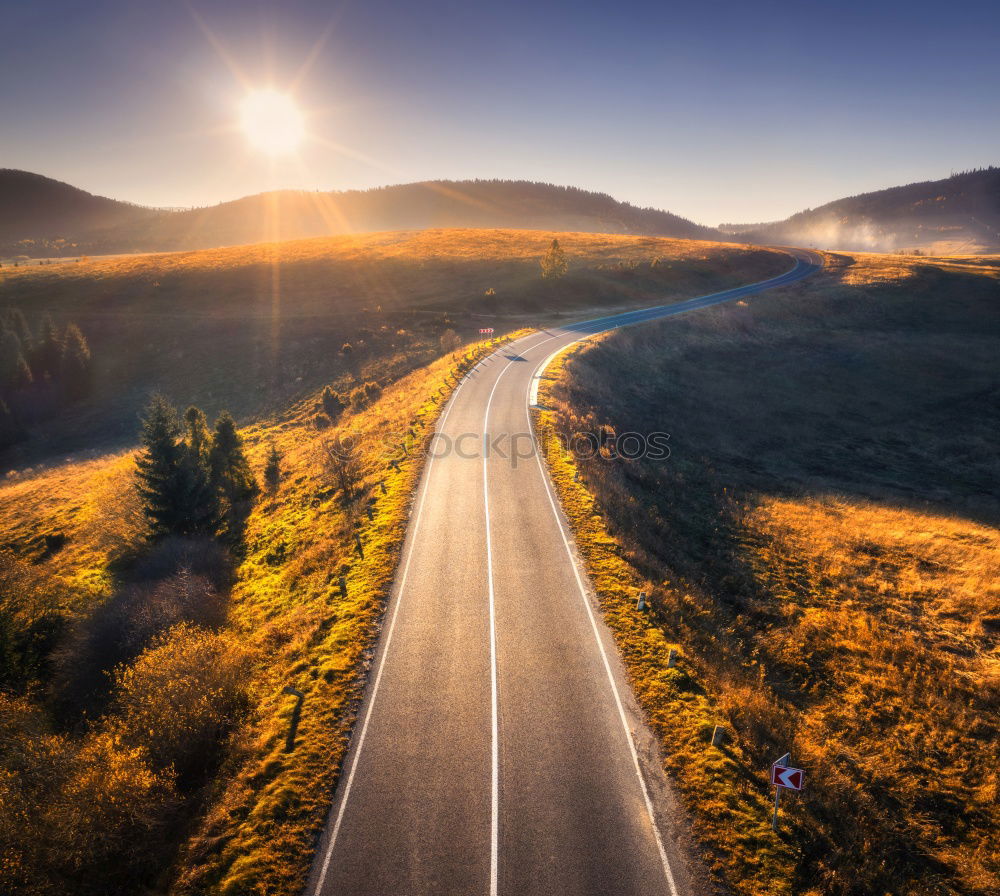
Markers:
<point>271,121</point>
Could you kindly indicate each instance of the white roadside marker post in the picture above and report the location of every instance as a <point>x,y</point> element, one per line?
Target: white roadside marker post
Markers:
<point>641,603</point>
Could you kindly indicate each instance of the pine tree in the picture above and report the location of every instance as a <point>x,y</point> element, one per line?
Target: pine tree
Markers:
<point>47,351</point>
<point>158,466</point>
<point>230,470</point>
<point>10,430</point>
<point>198,438</point>
<point>14,320</point>
<point>75,364</point>
<point>272,470</point>
<point>177,495</point>
<point>554,264</point>
<point>14,370</point>
<point>199,510</point>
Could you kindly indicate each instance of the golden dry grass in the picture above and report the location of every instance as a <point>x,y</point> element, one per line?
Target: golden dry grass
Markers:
<point>259,330</point>
<point>430,245</point>
<point>287,612</point>
<point>823,547</point>
<point>254,328</point>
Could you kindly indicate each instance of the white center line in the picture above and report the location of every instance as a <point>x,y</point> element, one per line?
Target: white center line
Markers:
<point>363,733</point>
<point>495,703</point>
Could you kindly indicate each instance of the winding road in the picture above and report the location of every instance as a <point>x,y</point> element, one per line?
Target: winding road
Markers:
<point>499,750</point>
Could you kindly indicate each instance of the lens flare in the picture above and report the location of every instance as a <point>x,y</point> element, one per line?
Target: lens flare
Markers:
<point>272,122</point>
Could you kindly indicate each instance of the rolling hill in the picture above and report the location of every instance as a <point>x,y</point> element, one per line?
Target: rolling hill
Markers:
<point>37,209</point>
<point>960,214</point>
<point>40,217</point>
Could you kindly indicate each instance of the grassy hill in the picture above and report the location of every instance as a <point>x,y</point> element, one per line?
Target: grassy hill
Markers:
<point>823,546</point>
<point>36,212</point>
<point>251,328</point>
<point>960,214</point>
<point>40,217</point>
<point>142,712</point>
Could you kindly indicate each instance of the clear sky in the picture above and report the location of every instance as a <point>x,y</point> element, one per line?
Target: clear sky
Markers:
<point>728,111</point>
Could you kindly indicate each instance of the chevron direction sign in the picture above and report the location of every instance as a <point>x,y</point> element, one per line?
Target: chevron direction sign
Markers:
<point>789,778</point>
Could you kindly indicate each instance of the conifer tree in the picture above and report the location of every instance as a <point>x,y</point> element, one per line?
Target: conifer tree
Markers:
<point>14,320</point>
<point>177,495</point>
<point>198,438</point>
<point>14,370</point>
<point>10,430</point>
<point>47,351</point>
<point>230,470</point>
<point>158,466</point>
<point>272,470</point>
<point>75,365</point>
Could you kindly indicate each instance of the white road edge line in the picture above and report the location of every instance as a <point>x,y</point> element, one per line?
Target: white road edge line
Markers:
<point>385,649</point>
<point>531,398</point>
<point>600,646</point>
<point>495,699</point>
<point>494,852</point>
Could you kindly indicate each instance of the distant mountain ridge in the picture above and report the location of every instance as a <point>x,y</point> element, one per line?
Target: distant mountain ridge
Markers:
<point>42,217</point>
<point>959,214</point>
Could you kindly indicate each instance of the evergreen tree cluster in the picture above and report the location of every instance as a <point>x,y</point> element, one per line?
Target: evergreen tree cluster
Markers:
<point>41,370</point>
<point>193,481</point>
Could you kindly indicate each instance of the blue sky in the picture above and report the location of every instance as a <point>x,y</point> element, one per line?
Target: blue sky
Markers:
<point>730,111</point>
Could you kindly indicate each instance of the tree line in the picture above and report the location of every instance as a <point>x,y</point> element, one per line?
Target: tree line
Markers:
<point>41,371</point>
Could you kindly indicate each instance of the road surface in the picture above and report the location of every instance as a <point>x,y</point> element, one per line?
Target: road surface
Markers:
<point>499,750</point>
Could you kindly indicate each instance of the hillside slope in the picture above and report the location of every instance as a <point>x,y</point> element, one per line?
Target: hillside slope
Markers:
<point>250,327</point>
<point>960,214</point>
<point>822,546</point>
<point>36,212</point>
<point>40,217</point>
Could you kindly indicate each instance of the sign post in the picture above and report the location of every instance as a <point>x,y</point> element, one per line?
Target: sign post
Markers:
<point>783,776</point>
<point>486,331</point>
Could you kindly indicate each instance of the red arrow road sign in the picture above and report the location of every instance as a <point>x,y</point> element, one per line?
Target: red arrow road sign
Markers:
<point>485,330</point>
<point>789,778</point>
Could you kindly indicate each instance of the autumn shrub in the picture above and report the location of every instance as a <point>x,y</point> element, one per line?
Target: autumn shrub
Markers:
<point>204,557</point>
<point>85,817</point>
<point>182,698</point>
<point>30,621</point>
<point>119,630</point>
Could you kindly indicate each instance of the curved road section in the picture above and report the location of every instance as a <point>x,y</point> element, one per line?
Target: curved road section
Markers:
<point>499,749</point>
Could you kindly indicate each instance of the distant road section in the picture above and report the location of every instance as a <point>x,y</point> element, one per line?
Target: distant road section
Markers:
<point>499,749</point>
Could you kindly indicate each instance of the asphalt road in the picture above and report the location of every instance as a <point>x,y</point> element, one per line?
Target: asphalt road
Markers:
<point>499,749</point>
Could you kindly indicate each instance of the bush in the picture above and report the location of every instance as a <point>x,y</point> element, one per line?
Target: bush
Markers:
<point>450,341</point>
<point>83,818</point>
<point>31,622</point>
<point>332,403</point>
<point>358,398</point>
<point>181,699</point>
<point>120,629</point>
